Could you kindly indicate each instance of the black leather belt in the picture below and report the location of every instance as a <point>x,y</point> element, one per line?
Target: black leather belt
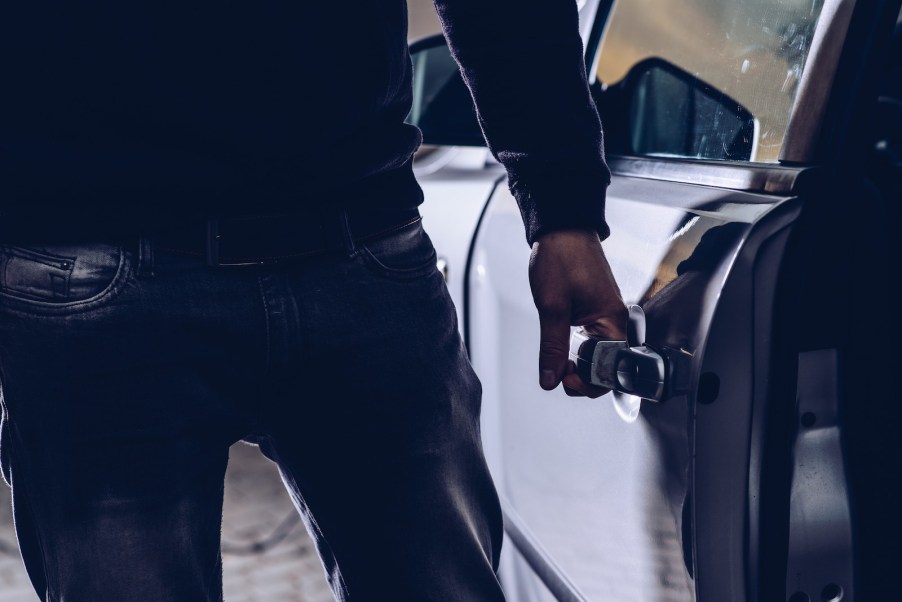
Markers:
<point>259,239</point>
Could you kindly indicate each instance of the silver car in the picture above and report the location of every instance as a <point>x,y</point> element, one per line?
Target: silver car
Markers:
<point>755,147</point>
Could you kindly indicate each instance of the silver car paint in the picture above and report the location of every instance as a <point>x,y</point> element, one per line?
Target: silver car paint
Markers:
<point>605,498</point>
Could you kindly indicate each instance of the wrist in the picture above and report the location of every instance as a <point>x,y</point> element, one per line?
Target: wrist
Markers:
<point>568,235</point>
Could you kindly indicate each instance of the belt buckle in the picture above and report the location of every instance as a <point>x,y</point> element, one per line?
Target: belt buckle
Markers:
<point>214,260</point>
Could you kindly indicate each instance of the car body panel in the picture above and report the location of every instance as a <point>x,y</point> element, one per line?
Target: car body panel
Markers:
<point>559,460</point>
<point>456,193</point>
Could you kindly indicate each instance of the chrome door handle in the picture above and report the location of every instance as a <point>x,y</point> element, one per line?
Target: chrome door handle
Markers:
<point>632,367</point>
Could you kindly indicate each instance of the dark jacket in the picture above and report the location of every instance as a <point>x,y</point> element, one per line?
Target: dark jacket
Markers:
<point>160,109</point>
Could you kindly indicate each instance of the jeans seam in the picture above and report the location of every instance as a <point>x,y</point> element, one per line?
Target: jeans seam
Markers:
<point>267,327</point>
<point>350,248</point>
<point>38,529</point>
<point>312,524</point>
<point>214,578</point>
<point>5,471</point>
<point>145,258</point>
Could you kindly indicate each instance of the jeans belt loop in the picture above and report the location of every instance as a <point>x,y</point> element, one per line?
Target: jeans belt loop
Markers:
<point>145,257</point>
<point>350,248</point>
<point>337,232</point>
<point>211,246</point>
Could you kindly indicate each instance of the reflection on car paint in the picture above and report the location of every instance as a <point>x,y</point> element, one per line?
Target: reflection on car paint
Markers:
<point>673,320</point>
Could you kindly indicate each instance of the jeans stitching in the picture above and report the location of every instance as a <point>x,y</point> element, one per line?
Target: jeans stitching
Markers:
<point>36,526</point>
<point>145,258</point>
<point>268,353</point>
<point>351,250</point>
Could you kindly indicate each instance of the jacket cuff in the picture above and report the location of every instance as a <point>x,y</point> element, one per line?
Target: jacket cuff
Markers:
<point>562,201</point>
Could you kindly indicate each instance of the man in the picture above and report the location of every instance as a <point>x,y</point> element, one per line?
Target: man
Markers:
<point>210,234</point>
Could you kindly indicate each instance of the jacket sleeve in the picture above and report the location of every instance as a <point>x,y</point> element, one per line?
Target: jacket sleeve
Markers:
<point>523,63</point>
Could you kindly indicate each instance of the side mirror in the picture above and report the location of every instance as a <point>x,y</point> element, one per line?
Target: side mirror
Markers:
<point>442,106</point>
<point>668,112</point>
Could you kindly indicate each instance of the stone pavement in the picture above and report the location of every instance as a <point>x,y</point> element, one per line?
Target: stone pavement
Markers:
<point>256,506</point>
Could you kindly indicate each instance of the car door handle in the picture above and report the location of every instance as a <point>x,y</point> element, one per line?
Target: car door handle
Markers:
<point>632,367</point>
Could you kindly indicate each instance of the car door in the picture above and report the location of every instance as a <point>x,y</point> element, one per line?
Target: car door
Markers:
<point>728,129</point>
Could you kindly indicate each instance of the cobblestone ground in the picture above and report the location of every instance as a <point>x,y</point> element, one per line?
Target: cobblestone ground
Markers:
<point>256,506</point>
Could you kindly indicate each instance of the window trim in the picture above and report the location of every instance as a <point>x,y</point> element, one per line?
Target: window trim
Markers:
<point>744,176</point>
<point>810,105</point>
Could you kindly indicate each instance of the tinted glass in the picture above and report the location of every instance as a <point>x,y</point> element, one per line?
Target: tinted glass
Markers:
<point>751,51</point>
<point>442,106</point>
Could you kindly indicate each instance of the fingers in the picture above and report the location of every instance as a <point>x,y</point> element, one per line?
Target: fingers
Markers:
<point>607,329</point>
<point>554,360</point>
<point>553,347</point>
<point>572,283</point>
<point>575,387</point>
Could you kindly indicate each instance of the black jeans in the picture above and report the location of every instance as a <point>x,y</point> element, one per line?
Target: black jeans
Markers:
<point>128,372</point>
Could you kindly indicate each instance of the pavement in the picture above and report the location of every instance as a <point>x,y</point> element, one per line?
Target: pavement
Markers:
<point>256,507</point>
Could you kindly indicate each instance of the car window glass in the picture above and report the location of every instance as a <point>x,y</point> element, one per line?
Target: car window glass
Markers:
<point>422,20</point>
<point>712,79</point>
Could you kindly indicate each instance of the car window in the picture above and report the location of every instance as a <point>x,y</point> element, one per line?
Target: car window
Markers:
<point>712,79</point>
<point>422,20</point>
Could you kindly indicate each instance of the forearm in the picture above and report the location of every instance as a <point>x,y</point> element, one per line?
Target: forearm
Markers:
<point>523,63</point>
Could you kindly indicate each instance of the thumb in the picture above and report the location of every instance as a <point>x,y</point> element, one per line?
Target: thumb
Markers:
<point>554,347</point>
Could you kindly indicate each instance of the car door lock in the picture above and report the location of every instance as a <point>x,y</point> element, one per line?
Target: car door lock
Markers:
<point>633,366</point>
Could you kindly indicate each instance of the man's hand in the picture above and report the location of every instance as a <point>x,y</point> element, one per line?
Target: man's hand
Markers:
<point>572,284</point>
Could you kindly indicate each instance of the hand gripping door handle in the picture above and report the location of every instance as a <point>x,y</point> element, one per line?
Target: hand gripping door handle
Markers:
<point>632,367</point>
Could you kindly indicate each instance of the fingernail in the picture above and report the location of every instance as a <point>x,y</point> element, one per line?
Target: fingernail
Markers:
<point>548,379</point>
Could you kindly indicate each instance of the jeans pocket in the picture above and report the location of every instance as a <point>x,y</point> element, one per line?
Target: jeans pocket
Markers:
<point>405,254</point>
<point>56,279</point>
